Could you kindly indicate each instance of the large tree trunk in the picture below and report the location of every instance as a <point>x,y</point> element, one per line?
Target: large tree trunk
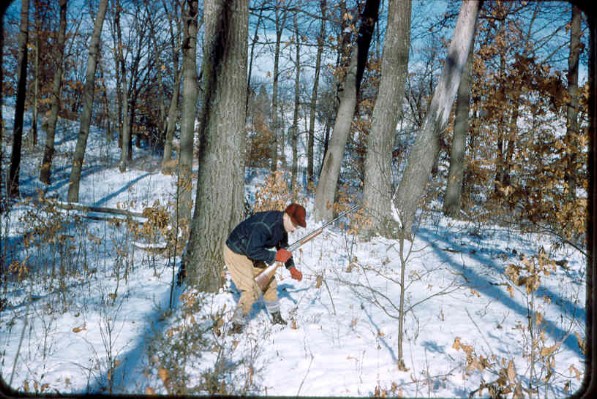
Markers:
<point>378,186</point>
<point>15,159</point>
<point>572,129</point>
<point>453,199</point>
<point>45,173</point>
<point>15,164</point>
<point>88,91</point>
<point>171,125</point>
<point>330,172</point>
<point>426,147</point>
<point>2,198</point>
<point>189,110</point>
<point>314,93</point>
<point>173,108</point>
<point>220,186</point>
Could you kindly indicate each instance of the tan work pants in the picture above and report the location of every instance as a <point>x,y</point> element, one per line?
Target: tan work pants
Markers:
<point>243,275</point>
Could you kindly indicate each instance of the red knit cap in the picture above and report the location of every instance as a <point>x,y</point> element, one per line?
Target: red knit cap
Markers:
<point>297,214</point>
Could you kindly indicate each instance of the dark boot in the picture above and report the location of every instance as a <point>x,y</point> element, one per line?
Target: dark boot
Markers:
<point>236,328</point>
<point>238,321</point>
<point>277,319</point>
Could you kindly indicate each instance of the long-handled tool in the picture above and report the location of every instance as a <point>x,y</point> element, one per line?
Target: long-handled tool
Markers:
<point>267,274</point>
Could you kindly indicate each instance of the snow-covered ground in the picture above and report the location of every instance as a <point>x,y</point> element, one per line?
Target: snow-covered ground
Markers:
<point>106,316</point>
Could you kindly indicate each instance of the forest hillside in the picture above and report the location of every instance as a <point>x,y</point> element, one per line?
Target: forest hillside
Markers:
<point>91,303</point>
<point>451,139</point>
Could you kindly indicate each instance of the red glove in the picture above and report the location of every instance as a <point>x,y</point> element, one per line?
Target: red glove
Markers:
<point>283,255</point>
<point>296,273</point>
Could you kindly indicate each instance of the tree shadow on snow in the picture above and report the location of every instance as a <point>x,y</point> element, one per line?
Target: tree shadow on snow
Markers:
<point>490,290</point>
<point>128,377</point>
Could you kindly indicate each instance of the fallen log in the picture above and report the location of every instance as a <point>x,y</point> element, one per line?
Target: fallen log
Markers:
<point>69,206</point>
<point>135,216</point>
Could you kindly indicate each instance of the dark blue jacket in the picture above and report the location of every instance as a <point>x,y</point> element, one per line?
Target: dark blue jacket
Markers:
<point>256,235</point>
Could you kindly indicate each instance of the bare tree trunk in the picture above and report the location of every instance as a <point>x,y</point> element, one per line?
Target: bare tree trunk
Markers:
<point>297,97</point>
<point>426,147</point>
<point>124,110</point>
<point>592,189</point>
<point>313,106</point>
<point>157,56</point>
<point>330,172</point>
<point>252,51</point>
<point>280,24</point>
<point>133,94</point>
<point>173,108</point>
<point>3,7</point>
<point>220,186</point>
<point>401,302</point>
<point>326,188</point>
<point>453,199</point>
<point>171,125</point>
<point>500,162</point>
<point>133,116</point>
<point>35,106</point>
<point>508,128</point>
<point>88,91</point>
<point>107,117</point>
<point>189,110</point>
<point>119,95</point>
<point>45,174</point>
<point>15,159</point>
<point>572,129</point>
<point>281,138</point>
<point>378,186</point>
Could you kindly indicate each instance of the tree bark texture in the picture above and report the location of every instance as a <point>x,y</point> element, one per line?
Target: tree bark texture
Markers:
<point>220,186</point>
<point>314,92</point>
<point>378,187</point>
<point>88,91</point>
<point>45,173</point>
<point>330,172</point>
<point>453,198</point>
<point>189,111</point>
<point>173,107</point>
<point>171,125</point>
<point>426,147</point>
<point>15,158</point>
